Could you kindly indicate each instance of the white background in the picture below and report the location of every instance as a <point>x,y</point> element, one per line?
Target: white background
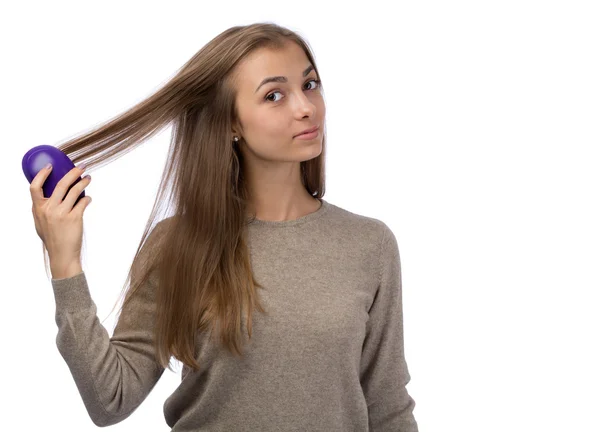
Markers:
<point>471,128</point>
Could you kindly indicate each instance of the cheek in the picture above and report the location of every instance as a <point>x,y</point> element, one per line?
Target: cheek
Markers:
<point>319,104</point>
<point>269,125</point>
<point>321,109</point>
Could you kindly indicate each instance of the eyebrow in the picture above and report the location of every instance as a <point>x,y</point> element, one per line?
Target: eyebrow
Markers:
<point>281,79</point>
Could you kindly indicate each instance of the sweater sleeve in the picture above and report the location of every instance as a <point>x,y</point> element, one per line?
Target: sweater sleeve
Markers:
<point>383,368</point>
<point>113,374</point>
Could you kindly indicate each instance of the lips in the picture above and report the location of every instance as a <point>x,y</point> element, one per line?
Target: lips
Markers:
<point>312,129</point>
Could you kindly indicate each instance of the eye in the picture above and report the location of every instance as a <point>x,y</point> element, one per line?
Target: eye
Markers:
<point>317,85</point>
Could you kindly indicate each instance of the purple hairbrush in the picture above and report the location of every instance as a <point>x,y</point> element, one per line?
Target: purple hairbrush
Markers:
<point>38,157</point>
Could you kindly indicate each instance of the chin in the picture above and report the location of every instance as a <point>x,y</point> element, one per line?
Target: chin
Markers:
<point>311,152</point>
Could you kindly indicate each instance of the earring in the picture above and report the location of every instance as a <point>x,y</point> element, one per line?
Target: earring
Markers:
<point>236,139</point>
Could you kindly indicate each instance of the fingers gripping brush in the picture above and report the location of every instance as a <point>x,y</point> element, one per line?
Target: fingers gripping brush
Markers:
<point>38,157</point>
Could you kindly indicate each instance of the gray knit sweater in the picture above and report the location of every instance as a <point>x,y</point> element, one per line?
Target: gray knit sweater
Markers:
<point>328,357</point>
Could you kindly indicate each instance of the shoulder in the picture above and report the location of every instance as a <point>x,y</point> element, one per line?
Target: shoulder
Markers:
<point>367,227</point>
<point>163,226</point>
<point>157,233</point>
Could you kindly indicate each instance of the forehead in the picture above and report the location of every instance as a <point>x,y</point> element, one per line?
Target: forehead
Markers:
<point>288,61</point>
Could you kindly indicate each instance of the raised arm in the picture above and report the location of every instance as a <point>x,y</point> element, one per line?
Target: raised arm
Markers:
<point>113,374</point>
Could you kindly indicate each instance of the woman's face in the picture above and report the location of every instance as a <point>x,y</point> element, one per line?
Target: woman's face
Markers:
<point>272,114</point>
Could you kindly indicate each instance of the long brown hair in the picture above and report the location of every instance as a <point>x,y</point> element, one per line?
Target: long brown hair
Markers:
<point>199,256</point>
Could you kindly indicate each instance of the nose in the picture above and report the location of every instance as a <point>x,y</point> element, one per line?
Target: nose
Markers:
<point>304,105</point>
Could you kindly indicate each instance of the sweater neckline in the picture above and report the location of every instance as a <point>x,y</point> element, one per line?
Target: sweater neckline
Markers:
<point>294,222</point>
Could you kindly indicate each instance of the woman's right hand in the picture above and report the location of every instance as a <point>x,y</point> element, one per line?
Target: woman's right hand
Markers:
<point>58,223</point>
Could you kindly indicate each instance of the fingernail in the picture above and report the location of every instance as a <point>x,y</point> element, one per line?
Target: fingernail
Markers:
<point>82,166</point>
<point>48,166</point>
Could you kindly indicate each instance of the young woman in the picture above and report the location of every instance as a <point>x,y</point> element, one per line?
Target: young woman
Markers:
<point>325,352</point>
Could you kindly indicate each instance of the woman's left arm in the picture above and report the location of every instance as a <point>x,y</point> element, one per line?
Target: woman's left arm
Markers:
<point>383,369</point>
